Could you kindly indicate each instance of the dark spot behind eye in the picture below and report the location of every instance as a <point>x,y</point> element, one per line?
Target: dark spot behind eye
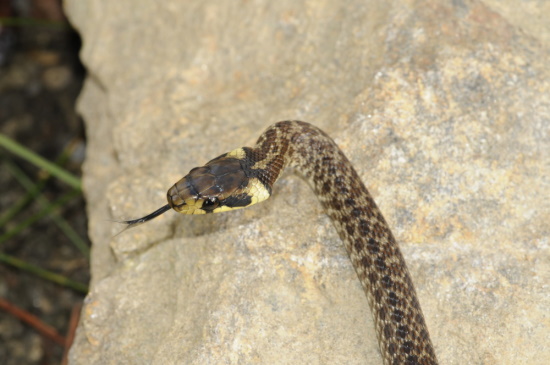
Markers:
<point>241,200</point>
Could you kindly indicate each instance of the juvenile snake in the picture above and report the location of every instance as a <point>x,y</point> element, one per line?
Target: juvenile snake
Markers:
<point>246,176</point>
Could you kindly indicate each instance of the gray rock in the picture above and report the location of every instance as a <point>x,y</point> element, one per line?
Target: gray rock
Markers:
<point>444,109</point>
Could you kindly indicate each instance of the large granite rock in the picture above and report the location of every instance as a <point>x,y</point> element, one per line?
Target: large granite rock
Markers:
<point>444,109</point>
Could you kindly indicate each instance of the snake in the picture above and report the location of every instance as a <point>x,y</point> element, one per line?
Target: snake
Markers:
<point>245,176</point>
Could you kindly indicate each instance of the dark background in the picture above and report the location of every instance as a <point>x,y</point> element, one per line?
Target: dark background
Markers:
<point>40,79</point>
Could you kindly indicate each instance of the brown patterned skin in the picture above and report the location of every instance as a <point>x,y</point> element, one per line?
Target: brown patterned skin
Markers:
<point>246,176</point>
<point>402,333</point>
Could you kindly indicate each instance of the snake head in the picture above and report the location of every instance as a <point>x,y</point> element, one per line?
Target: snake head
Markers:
<point>225,183</point>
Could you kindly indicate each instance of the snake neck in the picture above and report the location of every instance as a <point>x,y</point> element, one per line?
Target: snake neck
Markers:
<point>402,333</point>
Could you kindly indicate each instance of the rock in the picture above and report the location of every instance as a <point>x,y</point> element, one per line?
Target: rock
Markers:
<point>443,108</point>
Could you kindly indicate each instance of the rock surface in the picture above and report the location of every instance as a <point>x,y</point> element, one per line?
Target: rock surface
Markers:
<point>444,109</point>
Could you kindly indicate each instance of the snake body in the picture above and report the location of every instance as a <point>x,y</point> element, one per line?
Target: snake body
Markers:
<point>246,176</point>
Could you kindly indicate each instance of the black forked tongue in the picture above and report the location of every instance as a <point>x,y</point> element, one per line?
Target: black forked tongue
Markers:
<point>136,222</point>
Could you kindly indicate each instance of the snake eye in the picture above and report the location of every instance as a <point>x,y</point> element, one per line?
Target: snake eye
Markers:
<point>211,203</point>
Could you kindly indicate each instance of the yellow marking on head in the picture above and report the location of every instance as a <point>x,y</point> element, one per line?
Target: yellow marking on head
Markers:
<point>238,154</point>
<point>225,208</point>
<point>258,191</point>
<point>191,206</point>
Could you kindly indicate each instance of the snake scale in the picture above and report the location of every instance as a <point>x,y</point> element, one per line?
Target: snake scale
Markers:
<point>246,176</point>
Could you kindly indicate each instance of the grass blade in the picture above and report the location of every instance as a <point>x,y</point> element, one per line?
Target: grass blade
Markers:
<point>47,210</point>
<point>41,162</point>
<point>57,218</point>
<point>44,274</point>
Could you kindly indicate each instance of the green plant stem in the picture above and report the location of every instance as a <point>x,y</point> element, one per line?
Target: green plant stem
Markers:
<point>44,274</point>
<point>47,210</point>
<point>41,162</point>
<point>22,203</point>
<point>37,187</point>
<point>32,190</point>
